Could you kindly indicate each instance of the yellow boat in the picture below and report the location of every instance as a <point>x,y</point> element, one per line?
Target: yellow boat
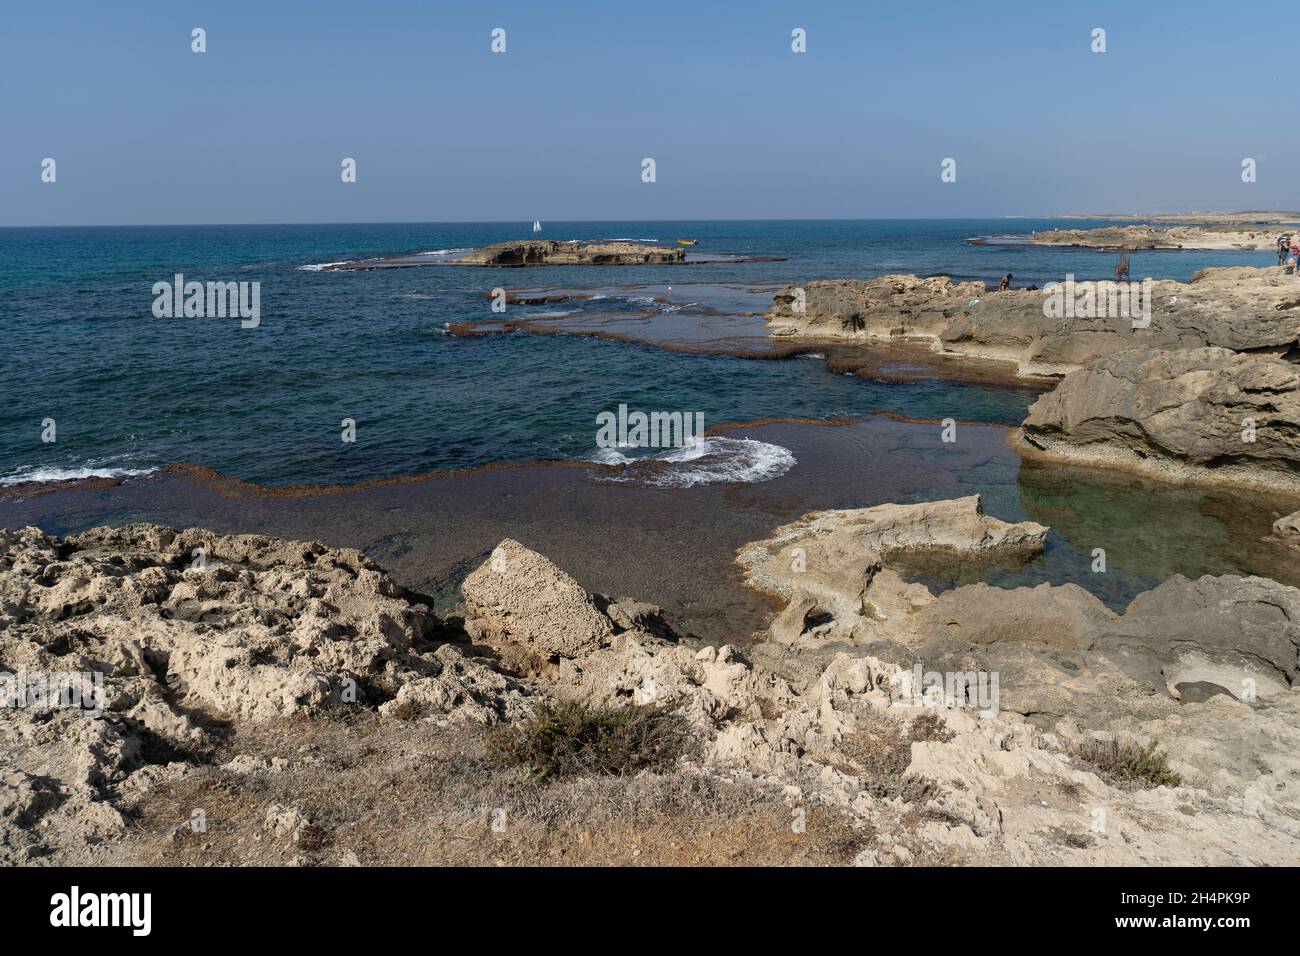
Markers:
<point>688,242</point>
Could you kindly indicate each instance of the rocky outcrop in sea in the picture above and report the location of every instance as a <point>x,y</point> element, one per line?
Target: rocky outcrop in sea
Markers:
<point>1198,384</point>
<point>1203,414</point>
<point>550,252</point>
<point>1242,309</point>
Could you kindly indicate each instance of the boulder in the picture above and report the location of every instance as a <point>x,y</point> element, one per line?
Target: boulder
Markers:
<point>519,597</point>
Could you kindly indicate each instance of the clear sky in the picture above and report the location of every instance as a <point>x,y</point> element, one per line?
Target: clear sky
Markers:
<point>254,130</point>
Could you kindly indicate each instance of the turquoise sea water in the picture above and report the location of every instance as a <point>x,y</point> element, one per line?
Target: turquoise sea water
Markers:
<point>130,392</point>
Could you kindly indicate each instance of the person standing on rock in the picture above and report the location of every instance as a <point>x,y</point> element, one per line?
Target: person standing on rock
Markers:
<point>1281,249</point>
<point>1121,270</point>
<point>1005,283</point>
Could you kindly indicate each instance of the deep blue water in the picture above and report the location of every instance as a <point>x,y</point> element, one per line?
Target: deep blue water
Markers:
<point>129,391</point>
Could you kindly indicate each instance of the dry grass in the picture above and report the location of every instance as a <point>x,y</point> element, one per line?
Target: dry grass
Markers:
<point>396,793</point>
<point>575,739</point>
<point>881,749</point>
<point>1128,765</point>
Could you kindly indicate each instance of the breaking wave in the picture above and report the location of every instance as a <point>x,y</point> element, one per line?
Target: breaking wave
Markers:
<point>714,461</point>
<point>320,266</point>
<point>89,470</point>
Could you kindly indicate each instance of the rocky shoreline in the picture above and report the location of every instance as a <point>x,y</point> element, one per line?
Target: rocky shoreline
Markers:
<point>1249,217</point>
<point>1243,309</point>
<point>1199,385</point>
<point>1137,238</point>
<point>285,689</point>
<point>1188,415</point>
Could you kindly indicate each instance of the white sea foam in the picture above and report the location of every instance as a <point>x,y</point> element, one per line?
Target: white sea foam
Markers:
<point>37,473</point>
<point>610,456</point>
<point>713,461</point>
<point>443,252</point>
<point>319,266</point>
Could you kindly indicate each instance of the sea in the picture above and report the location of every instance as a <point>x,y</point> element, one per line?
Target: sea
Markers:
<point>459,440</point>
<point>128,392</point>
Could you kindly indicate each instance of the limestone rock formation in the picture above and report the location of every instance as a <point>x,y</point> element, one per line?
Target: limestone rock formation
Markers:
<point>1236,308</point>
<point>1241,634</point>
<point>1205,414</point>
<point>972,787</point>
<point>519,597</point>
<point>1238,633</point>
<point>831,566</point>
<point>123,648</point>
<point>1062,617</point>
<point>1162,237</point>
<point>549,252</point>
<point>921,781</point>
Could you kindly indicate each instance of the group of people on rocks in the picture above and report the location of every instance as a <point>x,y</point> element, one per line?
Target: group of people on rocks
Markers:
<point>1288,253</point>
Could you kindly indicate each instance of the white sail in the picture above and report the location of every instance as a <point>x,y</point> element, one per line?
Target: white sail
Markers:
<point>537,226</point>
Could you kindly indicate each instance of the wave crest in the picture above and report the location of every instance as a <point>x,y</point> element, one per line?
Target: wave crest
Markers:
<point>714,461</point>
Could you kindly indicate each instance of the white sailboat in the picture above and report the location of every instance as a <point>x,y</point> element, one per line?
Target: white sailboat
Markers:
<point>537,226</point>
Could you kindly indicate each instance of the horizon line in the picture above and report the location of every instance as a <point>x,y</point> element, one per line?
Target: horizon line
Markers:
<point>493,222</point>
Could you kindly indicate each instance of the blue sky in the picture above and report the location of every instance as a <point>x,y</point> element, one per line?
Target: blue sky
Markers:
<point>254,130</point>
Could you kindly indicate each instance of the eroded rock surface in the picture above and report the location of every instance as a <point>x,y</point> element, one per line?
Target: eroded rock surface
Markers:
<point>1201,414</point>
<point>1241,634</point>
<point>1163,237</point>
<point>187,632</point>
<point>923,782</point>
<point>1235,308</point>
<point>832,566</point>
<point>550,252</point>
<point>1238,633</point>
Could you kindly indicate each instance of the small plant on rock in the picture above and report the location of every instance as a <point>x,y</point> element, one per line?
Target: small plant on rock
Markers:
<point>572,739</point>
<point>1142,766</point>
